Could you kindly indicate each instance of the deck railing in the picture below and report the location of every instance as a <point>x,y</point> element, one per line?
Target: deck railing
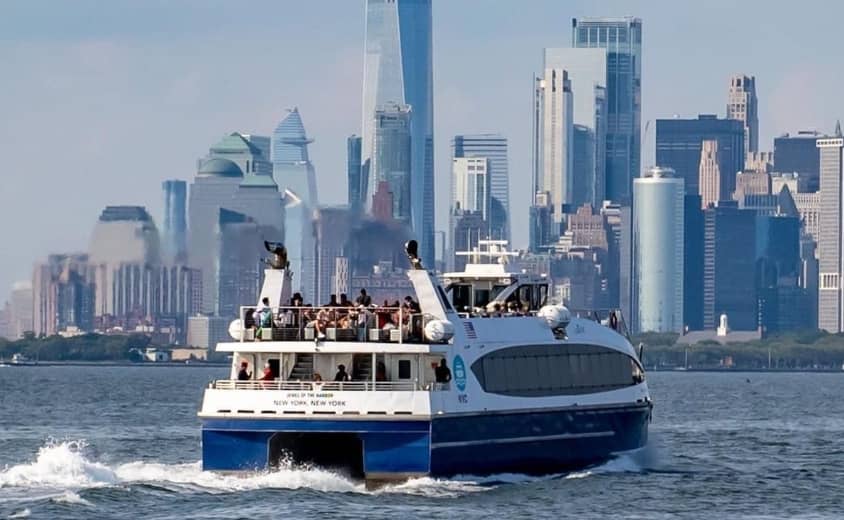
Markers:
<point>356,324</point>
<point>320,386</point>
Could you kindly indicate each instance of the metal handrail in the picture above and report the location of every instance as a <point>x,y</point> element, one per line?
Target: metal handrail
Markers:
<point>318,386</point>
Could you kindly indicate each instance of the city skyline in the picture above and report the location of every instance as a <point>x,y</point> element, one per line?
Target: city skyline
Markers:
<point>81,59</point>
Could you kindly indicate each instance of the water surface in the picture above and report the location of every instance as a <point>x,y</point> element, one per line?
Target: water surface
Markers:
<point>123,442</point>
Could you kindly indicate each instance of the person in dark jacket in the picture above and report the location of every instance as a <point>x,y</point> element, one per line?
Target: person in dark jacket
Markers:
<point>244,374</point>
<point>342,375</point>
<point>442,372</point>
<point>364,299</point>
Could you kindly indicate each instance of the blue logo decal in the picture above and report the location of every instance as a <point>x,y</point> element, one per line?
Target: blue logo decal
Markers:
<point>459,373</point>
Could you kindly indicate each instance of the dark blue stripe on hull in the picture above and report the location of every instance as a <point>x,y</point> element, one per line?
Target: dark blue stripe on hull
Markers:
<point>535,442</point>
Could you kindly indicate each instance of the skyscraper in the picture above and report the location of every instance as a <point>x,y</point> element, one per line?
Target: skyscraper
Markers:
<point>470,182</point>
<point>63,294</point>
<point>742,106</point>
<point>799,154</point>
<point>234,175</point>
<point>554,111</point>
<point>20,309</point>
<point>296,178</point>
<point>658,242</point>
<point>587,71</point>
<point>398,69</point>
<point>353,172</point>
<point>830,243</point>
<point>332,225</point>
<point>494,148</point>
<point>693,263</point>
<point>391,160</point>
<point>583,166</point>
<point>236,266</point>
<point>729,266</point>
<point>125,253</point>
<point>174,224</point>
<point>679,142</point>
<point>709,177</point>
<point>622,38</point>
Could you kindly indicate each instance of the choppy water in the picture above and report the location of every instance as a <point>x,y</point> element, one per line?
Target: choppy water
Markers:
<point>91,442</point>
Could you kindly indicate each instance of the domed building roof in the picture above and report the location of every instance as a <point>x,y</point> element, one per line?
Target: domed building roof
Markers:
<point>220,167</point>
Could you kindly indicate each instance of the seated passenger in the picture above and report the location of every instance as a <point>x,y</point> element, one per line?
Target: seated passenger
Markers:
<point>244,374</point>
<point>321,323</point>
<point>363,299</point>
<point>442,372</point>
<point>332,302</point>
<point>496,311</point>
<point>317,377</point>
<point>341,375</point>
<point>388,323</point>
<point>344,301</point>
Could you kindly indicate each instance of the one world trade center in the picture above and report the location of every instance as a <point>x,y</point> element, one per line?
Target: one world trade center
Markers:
<point>398,71</point>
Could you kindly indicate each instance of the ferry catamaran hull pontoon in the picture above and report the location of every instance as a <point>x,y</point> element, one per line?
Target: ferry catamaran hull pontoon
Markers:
<point>532,389</point>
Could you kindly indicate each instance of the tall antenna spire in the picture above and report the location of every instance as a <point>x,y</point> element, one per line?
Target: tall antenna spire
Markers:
<point>838,128</point>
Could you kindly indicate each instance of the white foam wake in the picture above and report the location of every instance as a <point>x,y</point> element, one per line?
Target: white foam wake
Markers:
<point>59,465</point>
<point>63,466</point>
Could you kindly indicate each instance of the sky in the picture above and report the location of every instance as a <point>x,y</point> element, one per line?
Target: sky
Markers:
<point>102,101</point>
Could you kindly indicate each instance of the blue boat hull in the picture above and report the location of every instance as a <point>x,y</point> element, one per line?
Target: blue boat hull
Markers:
<point>533,442</point>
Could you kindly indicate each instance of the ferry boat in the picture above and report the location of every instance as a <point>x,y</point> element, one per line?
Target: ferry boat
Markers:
<point>480,376</point>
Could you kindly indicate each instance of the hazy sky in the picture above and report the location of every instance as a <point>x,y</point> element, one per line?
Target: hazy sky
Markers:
<point>101,101</point>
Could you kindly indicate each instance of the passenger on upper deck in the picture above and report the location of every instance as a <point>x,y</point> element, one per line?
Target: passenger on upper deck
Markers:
<point>264,313</point>
<point>344,301</point>
<point>297,300</point>
<point>442,372</point>
<point>412,305</point>
<point>342,375</point>
<point>332,302</point>
<point>244,374</point>
<point>364,299</point>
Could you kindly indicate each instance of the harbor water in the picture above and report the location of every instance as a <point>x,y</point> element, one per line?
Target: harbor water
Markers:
<point>123,442</point>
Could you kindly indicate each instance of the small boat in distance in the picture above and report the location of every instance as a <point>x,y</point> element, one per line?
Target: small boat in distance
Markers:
<point>19,359</point>
<point>478,375</point>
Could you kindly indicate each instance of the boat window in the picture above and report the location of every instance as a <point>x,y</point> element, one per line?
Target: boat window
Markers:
<point>461,296</point>
<point>404,369</point>
<point>543,295</point>
<point>481,297</point>
<point>496,290</point>
<point>545,370</point>
<point>526,296</point>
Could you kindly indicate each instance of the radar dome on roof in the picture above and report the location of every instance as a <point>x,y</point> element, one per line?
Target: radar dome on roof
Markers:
<point>220,167</point>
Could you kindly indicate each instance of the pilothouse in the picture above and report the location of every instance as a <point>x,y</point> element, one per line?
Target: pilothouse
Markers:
<point>479,375</point>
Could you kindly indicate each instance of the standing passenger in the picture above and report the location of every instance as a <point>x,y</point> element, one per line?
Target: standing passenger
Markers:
<point>442,372</point>
<point>244,374</point>
<point>342,375</point>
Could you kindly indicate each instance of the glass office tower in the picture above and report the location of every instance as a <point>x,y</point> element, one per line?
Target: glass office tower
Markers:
<point>296,178</point>
<point>398,69</point>
<point>622,37</point>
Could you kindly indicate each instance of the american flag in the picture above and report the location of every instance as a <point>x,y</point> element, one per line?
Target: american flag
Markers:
<point>470,330</point>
